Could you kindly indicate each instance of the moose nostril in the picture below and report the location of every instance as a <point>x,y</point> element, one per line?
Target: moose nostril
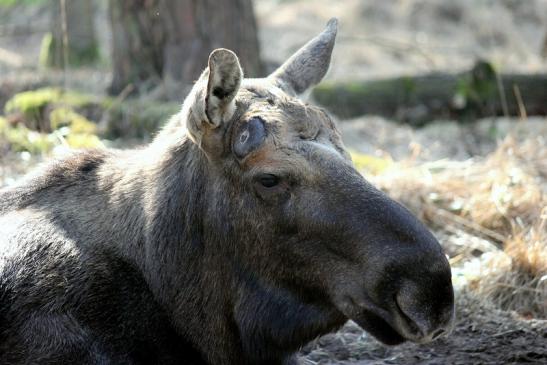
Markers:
<point>411,323</point>
<point>437,334</point>
<point>417,324</point>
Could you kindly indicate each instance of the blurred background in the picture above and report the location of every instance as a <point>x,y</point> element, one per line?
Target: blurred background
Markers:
<point>442,104</point>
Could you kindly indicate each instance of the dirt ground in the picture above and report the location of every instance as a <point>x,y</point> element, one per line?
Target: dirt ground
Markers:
<point>377,39</point>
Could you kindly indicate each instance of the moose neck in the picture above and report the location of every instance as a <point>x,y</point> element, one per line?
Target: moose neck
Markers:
<point>189,261</point>
<point>184,273</point>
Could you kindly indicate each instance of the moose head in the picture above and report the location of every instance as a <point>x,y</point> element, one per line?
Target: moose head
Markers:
<point>303,240</point>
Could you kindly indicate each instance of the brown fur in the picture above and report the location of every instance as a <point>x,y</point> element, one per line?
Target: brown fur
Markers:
<point>183,252</point>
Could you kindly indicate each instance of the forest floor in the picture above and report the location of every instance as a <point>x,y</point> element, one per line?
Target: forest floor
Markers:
<point>452,175</point>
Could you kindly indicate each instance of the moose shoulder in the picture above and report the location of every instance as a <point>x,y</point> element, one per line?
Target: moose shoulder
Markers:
<point>238,235</point>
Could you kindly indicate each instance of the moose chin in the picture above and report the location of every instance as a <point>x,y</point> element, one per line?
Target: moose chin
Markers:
<point>240,233</point>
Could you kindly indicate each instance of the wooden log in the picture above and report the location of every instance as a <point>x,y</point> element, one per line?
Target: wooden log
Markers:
<point>417,100</point>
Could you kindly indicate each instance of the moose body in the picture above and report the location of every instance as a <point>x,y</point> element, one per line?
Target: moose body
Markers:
<point>238,235</point>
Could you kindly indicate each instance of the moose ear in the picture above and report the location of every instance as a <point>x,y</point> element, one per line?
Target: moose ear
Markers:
<point>212,99</point>
<point>309,64</point>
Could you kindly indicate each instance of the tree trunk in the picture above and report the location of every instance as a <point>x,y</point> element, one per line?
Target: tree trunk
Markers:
<point>168,42</point>
<point>138,38</point>
<point>82,46</point>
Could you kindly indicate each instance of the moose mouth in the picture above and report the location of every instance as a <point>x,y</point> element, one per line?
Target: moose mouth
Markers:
<point>379,328</point>
<point>390,326</point>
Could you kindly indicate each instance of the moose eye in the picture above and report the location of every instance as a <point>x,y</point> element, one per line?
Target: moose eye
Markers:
<point>271,189</point>
<point>268,180</point>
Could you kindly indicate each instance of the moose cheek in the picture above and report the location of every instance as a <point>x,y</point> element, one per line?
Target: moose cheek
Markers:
<point>249,136</point>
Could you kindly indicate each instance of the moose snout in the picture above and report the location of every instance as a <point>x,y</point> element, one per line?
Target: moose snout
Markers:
<point>425,311</point>
<point>408,275</point>
<point>423,296</point>
<point>398,286</point>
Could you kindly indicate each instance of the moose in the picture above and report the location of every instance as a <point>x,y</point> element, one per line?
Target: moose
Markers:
<point>239,234</point>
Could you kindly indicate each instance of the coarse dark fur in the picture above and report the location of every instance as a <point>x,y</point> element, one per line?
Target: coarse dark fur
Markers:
<point>185,252</point>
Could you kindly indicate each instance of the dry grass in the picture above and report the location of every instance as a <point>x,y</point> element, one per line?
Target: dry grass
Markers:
<point>516,278</point>
<point>501,199</point>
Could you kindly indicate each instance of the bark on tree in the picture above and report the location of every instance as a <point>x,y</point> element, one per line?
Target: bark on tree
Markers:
<point>162,41</point>
<point>82,46</point>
